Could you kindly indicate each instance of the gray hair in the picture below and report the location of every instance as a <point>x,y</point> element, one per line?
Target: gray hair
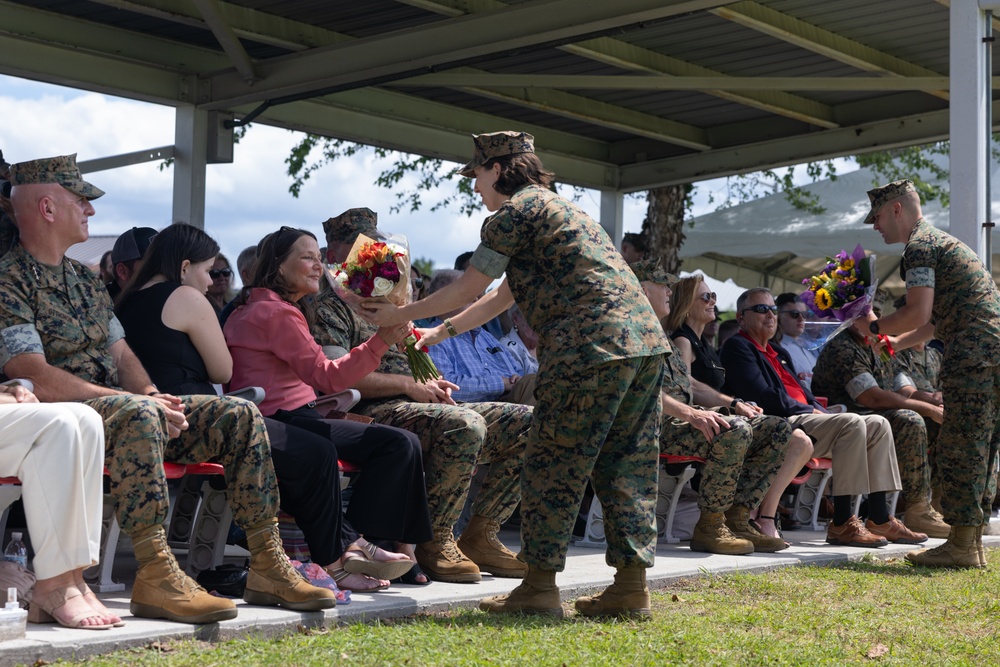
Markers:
<point>741,302</point>
<point>442,278</point>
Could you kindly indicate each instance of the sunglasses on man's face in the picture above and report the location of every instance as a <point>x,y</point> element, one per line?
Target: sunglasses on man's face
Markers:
<point>761,309</point>
<point>217,273</point>
<point>794,314</point>
<point>708,297</point>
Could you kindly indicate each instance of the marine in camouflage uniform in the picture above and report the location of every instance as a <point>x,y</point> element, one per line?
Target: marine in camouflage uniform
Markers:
<point>57,321</point>
<point>965,312</point>
<point>455,438</point>
<point>66,315</point>
<point>846,368</point>
<point>922,366</point>
<point>740,462</point>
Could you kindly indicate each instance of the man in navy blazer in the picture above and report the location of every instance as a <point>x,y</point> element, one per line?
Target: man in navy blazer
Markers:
<point>861,446</point>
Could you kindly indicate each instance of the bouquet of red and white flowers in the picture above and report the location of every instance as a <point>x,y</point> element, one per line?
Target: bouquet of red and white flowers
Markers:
<point>381,268</point>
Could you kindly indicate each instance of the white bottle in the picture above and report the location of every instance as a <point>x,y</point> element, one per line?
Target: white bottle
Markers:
<point>13,619</point>
<point>16,551</point>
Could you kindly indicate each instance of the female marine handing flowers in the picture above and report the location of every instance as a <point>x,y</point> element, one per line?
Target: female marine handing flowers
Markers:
<point>381,268</point>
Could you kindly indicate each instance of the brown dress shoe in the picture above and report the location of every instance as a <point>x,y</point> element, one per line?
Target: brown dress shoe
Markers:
<point>853,534</point>
<point>894,531</point>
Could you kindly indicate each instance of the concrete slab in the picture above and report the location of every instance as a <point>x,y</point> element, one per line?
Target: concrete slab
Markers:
<point>585,573</point>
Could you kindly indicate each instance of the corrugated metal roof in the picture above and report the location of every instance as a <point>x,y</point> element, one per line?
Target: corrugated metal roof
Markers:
<point>300,48</point>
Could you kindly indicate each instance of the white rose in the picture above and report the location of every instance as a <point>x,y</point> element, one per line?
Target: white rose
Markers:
<point>382,286</point>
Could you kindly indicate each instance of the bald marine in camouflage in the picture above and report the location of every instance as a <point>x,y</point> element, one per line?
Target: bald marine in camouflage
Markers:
<point>600,347</point>
<point>58,329</point>
<point>743,448</point>
<point>948,285</point>
<point>455,438</point>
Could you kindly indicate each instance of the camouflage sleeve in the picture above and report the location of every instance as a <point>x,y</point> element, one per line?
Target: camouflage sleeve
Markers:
<point>506,232</point>
<point>489,262</point>
<point>19,339</point>
<point>859,384</point>
<point>333,325</point>
<point>919,261</point>
<point>115,331</point>
<point>901,380</point>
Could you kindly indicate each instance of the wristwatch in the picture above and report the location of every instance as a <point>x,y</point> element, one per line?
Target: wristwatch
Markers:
<point>735,401</point>
<point>873,327</point>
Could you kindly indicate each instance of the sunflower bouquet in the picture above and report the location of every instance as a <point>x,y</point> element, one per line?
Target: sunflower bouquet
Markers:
<point>380,267</point>
<point>843,291</point>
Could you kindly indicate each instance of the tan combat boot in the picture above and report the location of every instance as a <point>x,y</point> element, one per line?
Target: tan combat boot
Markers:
<point>738,522</point>
<point>712,535</point>
<point>272,581</point>
<point>442,560</point>
<point>537,594</point>
<point>162,590</point>
<point>961,550</point>
<point>628,597</point>
<point>922,518</point>
<point>480,544</point>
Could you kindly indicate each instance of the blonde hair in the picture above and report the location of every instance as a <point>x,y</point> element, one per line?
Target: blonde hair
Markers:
<point>682,300</point>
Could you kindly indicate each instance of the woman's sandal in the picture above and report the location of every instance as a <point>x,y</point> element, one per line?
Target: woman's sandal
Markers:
<point>411,577</point>
<point>339,574</point>
<point>366,564</point>
<point>86,589</point>
<point>774,520</point>
<point>41,612</point>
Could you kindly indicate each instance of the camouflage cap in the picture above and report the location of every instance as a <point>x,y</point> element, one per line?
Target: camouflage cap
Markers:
<point>61,170</point>
<point>497,144</point>
<point>879,197</point>
<point>345,227</point>
<point>650,271</point>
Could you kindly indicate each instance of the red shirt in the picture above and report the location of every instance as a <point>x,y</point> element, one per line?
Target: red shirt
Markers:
<point>792,385</point>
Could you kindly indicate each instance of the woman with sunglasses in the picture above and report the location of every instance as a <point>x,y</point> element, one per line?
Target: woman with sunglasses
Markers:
<point>220,292</point>
<point>692,307</point>
<point>272,347</point>
<point>791,325</point>
<point>171,328</point>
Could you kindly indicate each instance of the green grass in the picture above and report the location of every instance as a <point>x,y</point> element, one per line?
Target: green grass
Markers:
<point>867,613</point>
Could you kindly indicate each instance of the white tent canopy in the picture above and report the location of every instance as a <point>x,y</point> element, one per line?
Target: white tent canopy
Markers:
<point>770,243</point>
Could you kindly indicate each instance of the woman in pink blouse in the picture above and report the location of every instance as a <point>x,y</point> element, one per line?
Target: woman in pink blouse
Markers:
<point>268,336</point>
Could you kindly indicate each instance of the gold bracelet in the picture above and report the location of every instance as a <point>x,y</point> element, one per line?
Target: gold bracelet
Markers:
<point>450,327</point>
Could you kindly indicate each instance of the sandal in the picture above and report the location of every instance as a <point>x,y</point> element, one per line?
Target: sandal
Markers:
<point>366,564</point>
<point>339,574</point>
<point>41,612</point>
<point>411,575</point>
<point>85,589</point>
<point>777,528</point>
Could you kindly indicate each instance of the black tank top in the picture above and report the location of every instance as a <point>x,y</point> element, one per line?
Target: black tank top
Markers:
<point>168,355</point>
<point>706,366</point>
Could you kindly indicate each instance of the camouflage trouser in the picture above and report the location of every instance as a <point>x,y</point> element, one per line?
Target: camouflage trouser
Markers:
<point>229,431</point>
<point>602,423</point>
<point>740,463</point>
<point>967,445</point>
<point>909,433</point>
<point>454,439</point>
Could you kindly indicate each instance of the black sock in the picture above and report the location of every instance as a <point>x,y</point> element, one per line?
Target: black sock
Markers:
<point>842,510</point>
<point>878,507</point>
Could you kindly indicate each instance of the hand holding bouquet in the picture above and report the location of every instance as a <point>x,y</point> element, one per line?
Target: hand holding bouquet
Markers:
<point>843,291</point>
<point>381,268</point>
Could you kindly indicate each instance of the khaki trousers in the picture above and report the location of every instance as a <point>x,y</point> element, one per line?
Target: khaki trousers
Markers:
<point>57,451</point>
<point>861,447</point>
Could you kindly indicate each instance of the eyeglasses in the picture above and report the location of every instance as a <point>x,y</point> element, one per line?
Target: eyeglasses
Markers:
<point>761,309</point>
<point>708,297</point>
<point>216,273</point>
<point>794,314</point>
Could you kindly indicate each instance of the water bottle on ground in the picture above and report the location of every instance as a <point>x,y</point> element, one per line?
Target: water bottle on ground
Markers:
<point>16,551</point>
<point>13,619</point>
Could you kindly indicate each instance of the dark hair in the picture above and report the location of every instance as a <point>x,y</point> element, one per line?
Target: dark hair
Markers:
<point>272,251</point>
<point>787,298</point>
<point>637,241</point>
<point>519,170</point>
<point>462,261</point>
<point>167,252</point>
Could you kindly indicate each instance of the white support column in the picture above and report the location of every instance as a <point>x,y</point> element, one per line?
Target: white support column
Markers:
<point>612,212</point>
<point>190,151</point>
<point>969,139</point>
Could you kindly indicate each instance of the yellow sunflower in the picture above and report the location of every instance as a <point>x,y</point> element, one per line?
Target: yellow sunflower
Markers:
<point>823,299</point>
<point>847,264</point>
